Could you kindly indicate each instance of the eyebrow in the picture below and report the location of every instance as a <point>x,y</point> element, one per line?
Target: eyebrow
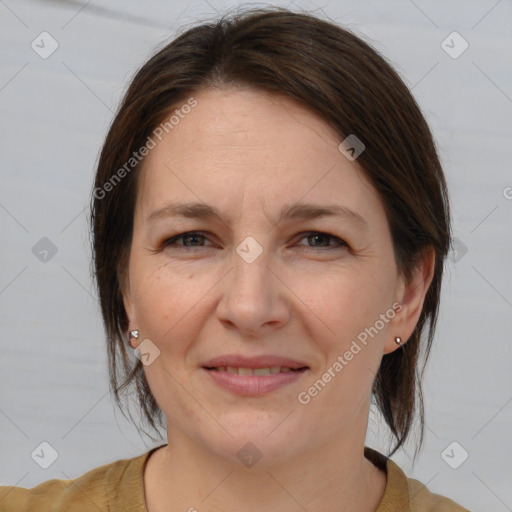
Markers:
<point>298,211</point>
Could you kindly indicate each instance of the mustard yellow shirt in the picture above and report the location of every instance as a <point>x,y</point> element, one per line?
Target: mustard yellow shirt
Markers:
<point>119,487</point>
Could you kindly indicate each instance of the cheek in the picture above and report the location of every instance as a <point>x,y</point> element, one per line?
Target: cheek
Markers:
<point>346,306</point>
<point>165,301</point>
<point>345,301</point>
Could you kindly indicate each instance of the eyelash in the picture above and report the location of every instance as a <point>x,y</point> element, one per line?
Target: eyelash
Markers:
<point>341,243</point>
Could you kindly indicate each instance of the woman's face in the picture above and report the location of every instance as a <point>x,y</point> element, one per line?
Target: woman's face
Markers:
<point>253,288</point>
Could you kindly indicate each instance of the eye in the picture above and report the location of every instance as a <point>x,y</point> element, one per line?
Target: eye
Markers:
<point>323,238</point>
<point>195,239</point>
<point>190,237</point>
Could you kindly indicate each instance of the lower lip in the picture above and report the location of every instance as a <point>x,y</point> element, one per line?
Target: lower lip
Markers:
<point>253,385</point>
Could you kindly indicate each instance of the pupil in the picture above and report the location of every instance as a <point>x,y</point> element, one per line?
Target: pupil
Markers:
<point>317,237</point>
<point>191,237</point>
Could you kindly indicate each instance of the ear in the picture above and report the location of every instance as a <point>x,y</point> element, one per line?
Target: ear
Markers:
<point>411,296</point>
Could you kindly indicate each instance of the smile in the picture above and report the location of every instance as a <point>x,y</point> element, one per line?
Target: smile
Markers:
<point>271,370</point>
<point>253,382</point>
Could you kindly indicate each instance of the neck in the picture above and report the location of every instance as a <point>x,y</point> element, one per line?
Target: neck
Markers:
<point>332,476</point>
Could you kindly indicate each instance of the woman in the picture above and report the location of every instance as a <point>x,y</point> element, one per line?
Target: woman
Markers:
<point>270,222</point>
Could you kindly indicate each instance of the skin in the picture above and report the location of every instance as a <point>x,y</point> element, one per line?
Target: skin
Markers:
<point>249,153</point>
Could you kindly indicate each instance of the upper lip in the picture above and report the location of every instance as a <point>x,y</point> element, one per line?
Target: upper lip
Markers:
<point>264,361</point>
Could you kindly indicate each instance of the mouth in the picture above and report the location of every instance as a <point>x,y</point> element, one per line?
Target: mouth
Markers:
<point>256,376</point>
<point>269,370</point>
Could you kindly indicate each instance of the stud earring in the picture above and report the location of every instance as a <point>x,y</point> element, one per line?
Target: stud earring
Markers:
<point>134,334</point>
<point>398,340</point>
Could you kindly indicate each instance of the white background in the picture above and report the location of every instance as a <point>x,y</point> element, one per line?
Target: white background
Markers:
<point>54,115</point>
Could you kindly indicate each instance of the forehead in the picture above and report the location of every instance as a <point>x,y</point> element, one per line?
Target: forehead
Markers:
<point>242,145</point>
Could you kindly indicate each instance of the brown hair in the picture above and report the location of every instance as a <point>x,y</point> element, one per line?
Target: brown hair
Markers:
<point>352,87</point>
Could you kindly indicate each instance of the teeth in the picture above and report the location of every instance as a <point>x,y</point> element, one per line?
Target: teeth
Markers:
<point>254,371</point>
<point>261,371</point>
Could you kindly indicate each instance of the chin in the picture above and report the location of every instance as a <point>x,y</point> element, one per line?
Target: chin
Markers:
<point>259,439</point>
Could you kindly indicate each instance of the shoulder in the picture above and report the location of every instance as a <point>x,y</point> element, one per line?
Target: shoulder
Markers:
<point>416,495</point>
<point>422,500</point>
<point>94,490</point>
<point>402,493</point>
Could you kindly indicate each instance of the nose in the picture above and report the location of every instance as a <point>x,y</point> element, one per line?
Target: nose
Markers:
<point>254,296</point>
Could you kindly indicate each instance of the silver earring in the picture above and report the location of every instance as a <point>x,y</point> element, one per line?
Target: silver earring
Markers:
<point>398,340</point>
<point>134,334</point>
